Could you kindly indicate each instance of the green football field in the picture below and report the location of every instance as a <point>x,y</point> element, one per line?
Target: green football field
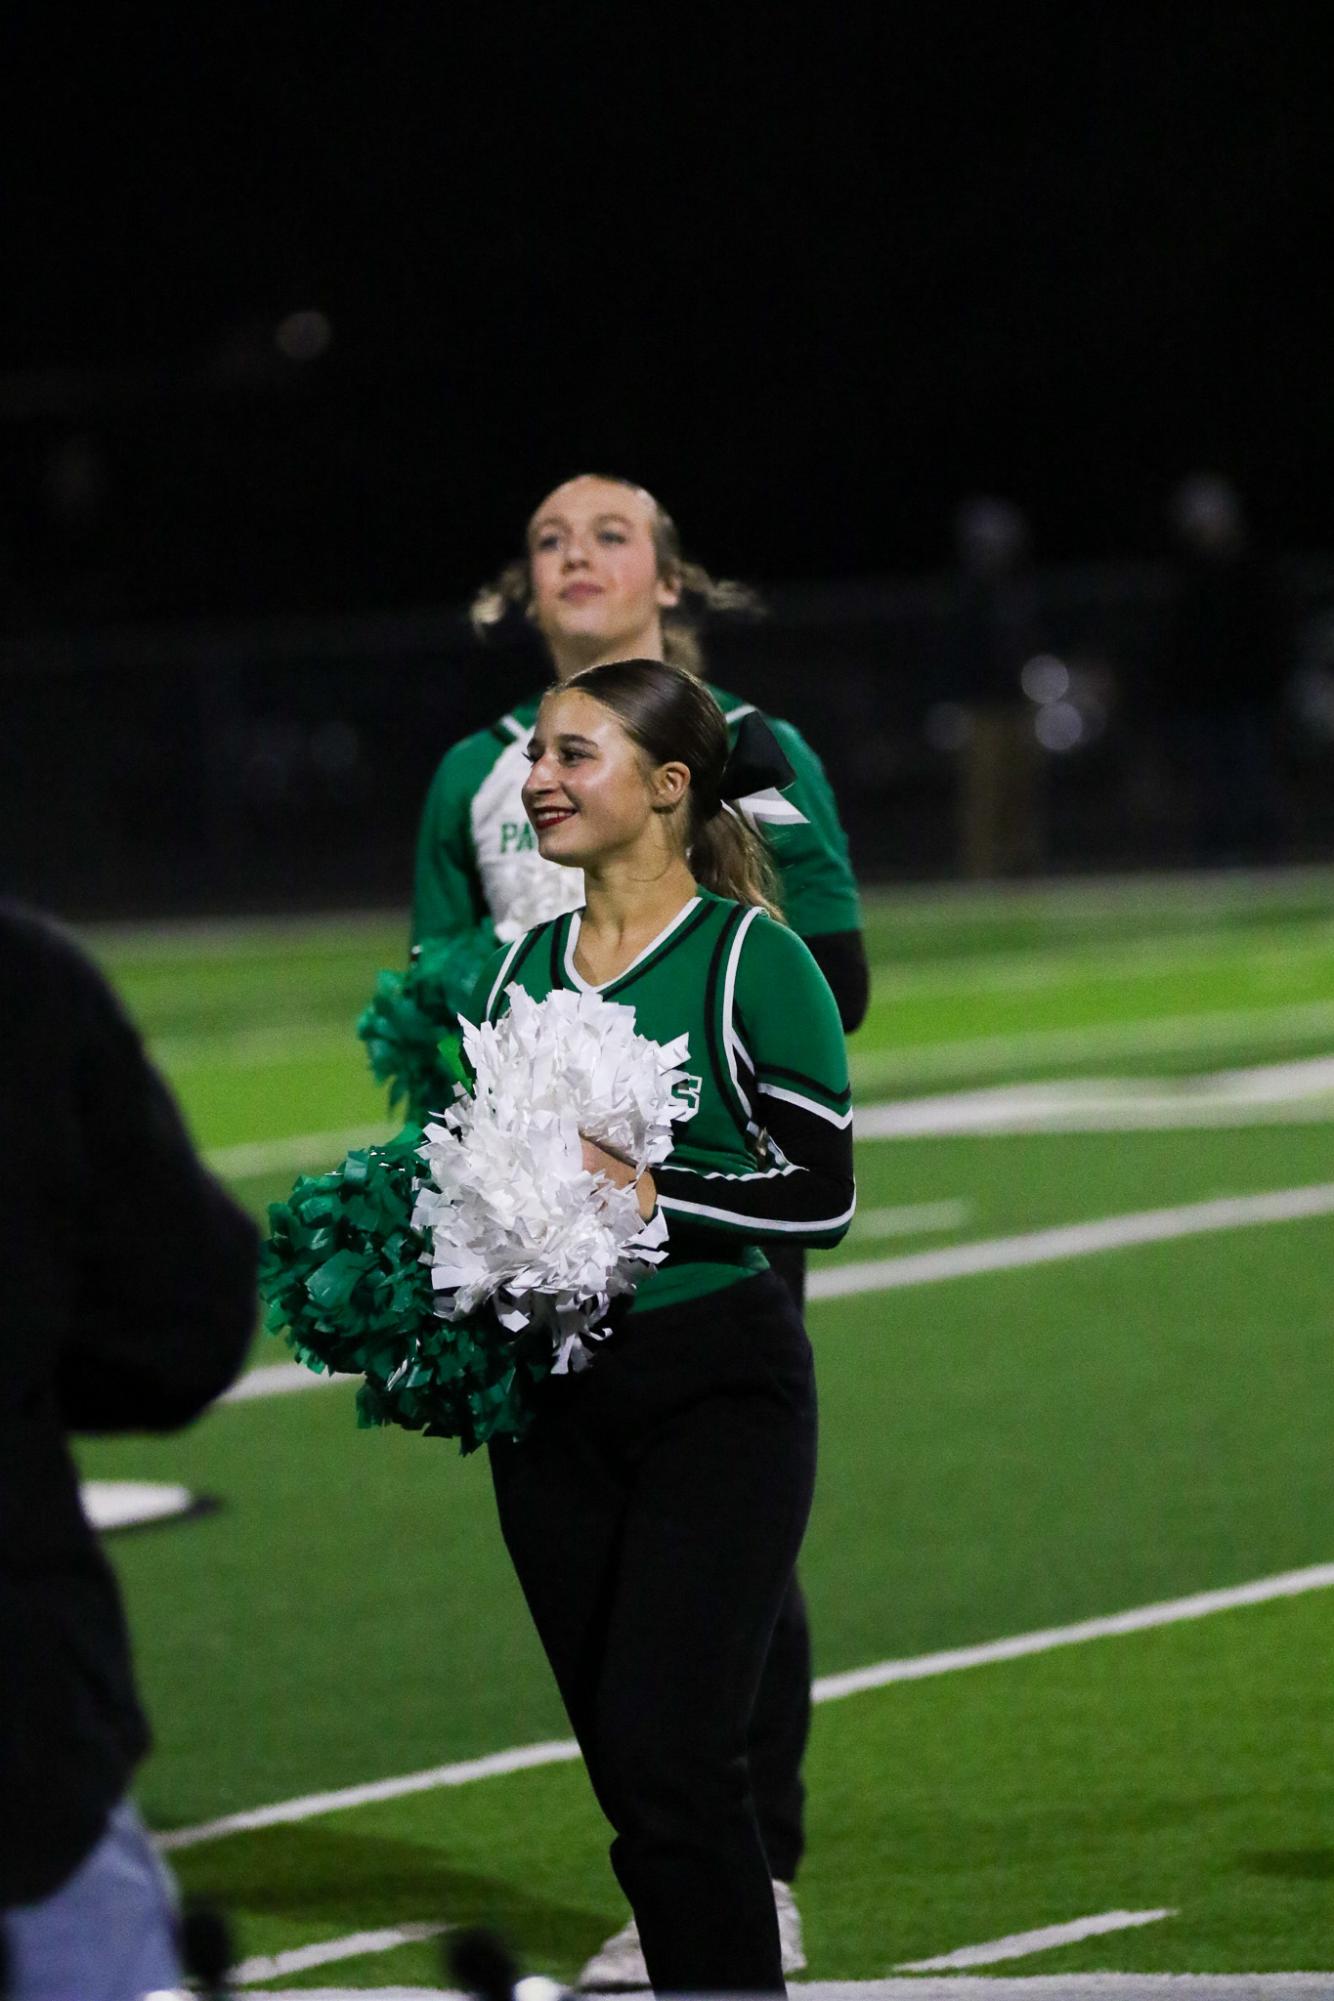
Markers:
<point>1028,1423</point>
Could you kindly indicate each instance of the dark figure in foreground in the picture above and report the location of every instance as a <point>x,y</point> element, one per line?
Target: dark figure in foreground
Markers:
<point>127,1290</point>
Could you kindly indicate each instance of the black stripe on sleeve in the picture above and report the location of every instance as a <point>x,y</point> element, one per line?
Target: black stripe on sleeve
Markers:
<point>800,1191</point>
<point>722,1076</point>
<point>842,1098</point>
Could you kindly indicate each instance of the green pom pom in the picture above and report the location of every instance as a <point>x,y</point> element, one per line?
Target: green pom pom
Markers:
<point>410,1027</point>
<point>345,1283</point>
<point>342,1270</point>
<point>333,1284</point>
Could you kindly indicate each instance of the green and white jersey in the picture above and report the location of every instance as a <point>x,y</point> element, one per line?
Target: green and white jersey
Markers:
<point>478,866</point>
<point>763,1152</point>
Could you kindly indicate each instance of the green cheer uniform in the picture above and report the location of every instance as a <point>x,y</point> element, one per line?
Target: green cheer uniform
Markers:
<point>480,879</point>
<point>764,1146</point>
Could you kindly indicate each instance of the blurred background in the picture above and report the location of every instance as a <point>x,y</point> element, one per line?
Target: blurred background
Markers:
<point>993,350</point>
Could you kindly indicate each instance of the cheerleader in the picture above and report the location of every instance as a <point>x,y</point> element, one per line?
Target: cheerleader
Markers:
<point>655,1510</point>
<point>603,578</point>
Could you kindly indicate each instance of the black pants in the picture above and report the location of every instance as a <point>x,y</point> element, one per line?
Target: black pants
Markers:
<point>781,1722</point>
<point>654,1515</point>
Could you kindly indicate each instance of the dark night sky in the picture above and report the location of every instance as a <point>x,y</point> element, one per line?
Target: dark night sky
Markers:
<point>808,282</point>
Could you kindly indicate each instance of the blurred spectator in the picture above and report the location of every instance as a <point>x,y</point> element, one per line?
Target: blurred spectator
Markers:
<point>127,1301</point>
<point>986,717</point>
<point>1221,690</point>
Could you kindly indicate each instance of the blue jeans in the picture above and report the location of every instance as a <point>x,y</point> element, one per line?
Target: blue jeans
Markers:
<point>107,1934</point>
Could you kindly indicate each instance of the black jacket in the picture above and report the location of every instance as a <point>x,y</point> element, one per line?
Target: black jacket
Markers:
<point>127,1300</point>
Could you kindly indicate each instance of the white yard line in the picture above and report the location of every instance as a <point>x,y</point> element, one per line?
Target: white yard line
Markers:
<point>911,1219</point>
<point>894,1274</point>
<point>522,1758</point>
<point>1091,963</point>
<point>1277,1093</point>
<point>255,1048</point>
<point>302,1957</point>
<point>1265,1093</point>
<point>123,1504</point>
<point>1059,1987</point>
<point>1071,1240</point>
<point>283,1156</point>
<point>1111,1625</point>
<point>279,1379</point>
<point>276,1046</point>
<point>251,1048</point>
<point>1166,1035</point>
<point>1069,1112</point>
<point>1036,1987</point>
<point>960,1987</point>
<point>1018,1945</point>
<point>1259,1093</point>
<point>829,1688</point>
<point>371,1994</point>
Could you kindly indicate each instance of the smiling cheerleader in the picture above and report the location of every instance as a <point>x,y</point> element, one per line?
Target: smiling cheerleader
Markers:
<point>655,1509</point>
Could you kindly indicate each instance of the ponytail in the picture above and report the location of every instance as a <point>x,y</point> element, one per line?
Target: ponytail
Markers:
<point>728,857</point>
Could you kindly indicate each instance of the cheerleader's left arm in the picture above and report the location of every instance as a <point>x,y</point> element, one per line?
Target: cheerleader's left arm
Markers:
<point>786,1052</point>
<point>801,1190</point>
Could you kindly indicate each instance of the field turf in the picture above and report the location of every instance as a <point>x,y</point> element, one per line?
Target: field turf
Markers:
<point>1001,1452</point>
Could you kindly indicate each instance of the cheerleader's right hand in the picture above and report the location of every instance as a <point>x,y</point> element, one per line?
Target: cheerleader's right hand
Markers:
<point>620,1172</point>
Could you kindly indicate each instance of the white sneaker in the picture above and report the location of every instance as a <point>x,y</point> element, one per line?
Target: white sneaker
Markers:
<point>789,1928</point>
<point>618,1966</point>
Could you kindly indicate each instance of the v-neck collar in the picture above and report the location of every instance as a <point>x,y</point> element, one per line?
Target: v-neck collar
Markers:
<point>583,986</point>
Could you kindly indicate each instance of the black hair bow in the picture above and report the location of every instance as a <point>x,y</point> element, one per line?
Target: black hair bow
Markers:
<point>756,761</point>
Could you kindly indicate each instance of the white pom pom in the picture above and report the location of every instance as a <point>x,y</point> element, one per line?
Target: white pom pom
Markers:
<point>534,891</point>
<point>513,1218</point>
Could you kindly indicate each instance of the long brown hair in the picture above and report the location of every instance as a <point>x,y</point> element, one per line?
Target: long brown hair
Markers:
<point>670,714</point>
<point>511,591</point>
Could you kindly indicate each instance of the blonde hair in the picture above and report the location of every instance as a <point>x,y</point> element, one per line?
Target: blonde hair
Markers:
<point>512,592</point>
<point>670,714</point>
